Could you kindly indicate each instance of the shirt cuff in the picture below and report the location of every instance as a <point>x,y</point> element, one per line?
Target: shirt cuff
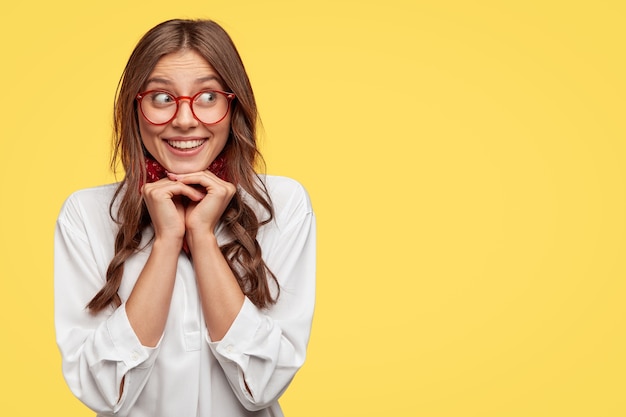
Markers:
<point>126,342</point>
<point>241,332</point>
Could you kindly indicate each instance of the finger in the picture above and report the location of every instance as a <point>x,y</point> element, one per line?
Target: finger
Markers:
<point>211,182</point>
<point>167,189</point>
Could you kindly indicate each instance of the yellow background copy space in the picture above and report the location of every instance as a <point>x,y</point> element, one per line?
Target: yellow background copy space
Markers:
<point>465,161</point>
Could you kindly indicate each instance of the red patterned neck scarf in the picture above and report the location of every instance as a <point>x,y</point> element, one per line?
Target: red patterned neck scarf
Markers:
<point>155,171</point>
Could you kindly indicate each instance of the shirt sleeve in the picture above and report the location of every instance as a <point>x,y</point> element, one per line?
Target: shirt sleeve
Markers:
<point>263,349</point>
<point>98,350</point>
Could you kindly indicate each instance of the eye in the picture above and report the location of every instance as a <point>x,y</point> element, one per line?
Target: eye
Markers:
<point>207,97</point>
<point>161,98</point>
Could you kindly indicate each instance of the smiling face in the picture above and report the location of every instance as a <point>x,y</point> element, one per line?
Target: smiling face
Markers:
<point>184,144</point>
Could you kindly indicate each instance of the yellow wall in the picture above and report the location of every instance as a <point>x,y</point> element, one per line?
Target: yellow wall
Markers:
<point>465,159</point>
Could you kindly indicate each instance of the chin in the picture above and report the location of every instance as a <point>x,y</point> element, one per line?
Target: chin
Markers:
<point>188,168</point>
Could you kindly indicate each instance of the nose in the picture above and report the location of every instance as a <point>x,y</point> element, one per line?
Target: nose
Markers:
<point>184,117</point>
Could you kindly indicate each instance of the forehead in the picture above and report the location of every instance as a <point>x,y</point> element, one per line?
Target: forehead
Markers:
<point>182,64</point>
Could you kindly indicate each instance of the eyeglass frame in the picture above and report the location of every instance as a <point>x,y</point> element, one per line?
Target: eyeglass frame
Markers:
<point>140,96</point>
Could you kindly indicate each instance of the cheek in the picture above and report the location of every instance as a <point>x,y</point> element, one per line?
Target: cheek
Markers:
<point>225,131</point>
<point>147,132</point>
<point>221,131</point>
<point>226,126</point>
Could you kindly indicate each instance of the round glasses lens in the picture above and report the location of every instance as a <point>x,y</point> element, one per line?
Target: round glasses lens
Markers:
<point>210,106</point>
<point>158,106</point>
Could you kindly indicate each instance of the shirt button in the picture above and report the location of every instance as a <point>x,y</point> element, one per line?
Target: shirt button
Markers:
<point>134,355</point>
<point>230,348</point>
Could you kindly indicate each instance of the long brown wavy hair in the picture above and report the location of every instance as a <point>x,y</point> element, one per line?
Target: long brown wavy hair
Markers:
<point>243,252</point>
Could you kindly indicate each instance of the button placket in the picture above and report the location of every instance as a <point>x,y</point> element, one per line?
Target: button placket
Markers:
<point>191,304</point>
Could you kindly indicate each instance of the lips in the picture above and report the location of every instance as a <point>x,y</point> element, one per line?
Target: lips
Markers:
<point>186,144</point>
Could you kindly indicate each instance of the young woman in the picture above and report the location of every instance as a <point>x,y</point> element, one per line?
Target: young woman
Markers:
<point>188,288</point>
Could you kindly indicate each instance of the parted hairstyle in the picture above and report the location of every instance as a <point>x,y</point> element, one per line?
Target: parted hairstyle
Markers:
<point>243,251</point>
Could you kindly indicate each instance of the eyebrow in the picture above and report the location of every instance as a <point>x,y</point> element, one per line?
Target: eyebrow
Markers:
<point>201,80</point>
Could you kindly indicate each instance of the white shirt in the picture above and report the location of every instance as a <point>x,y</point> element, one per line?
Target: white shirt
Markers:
<point>186,374</point>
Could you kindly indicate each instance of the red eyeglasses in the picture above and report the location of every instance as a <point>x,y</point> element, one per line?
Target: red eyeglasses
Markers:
<point>207,106</point>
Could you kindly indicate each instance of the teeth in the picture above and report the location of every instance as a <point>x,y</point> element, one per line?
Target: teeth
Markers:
<point>185,144</point>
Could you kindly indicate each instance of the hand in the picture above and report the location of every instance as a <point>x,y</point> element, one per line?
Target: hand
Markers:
<point>203,215</point>
<point>164,200</point>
